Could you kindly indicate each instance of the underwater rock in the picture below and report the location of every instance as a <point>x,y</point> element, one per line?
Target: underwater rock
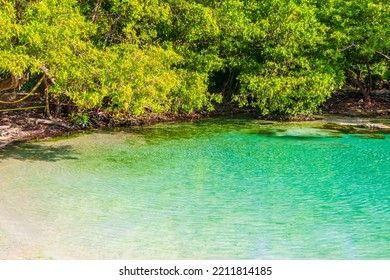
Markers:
<point>297,133</point>
<point>306,133</point>
<point>368,125</point>
<point>358,128</point>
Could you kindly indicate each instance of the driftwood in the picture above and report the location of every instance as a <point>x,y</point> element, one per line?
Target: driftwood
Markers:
<point>4,127</point>
<point>383,111</point>
<point>48,122</point>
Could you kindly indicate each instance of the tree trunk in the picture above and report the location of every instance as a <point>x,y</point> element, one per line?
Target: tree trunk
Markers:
<point>370,85</point>
<point>47,103</point>
<point>364,91</point>
<point>96,11</point>
<point>58,107</point>
<point>358,82</point>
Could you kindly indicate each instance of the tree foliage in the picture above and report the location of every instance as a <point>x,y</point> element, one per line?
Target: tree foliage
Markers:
<point>359,32</point>
<point>280,57</point>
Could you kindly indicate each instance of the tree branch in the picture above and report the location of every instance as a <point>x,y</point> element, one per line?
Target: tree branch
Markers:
<point>348,47</point>
<point>96,10</point>
<point>46,71</point>
<point>382,54</point>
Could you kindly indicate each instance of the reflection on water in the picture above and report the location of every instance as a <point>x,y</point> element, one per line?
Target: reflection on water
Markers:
<point>213,189</point>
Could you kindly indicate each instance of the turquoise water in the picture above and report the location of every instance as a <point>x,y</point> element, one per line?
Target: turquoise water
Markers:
<point>213,189</point>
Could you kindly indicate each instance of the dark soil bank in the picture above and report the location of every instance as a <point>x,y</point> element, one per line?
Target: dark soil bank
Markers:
<point>32,125</point>
<point>351,103</point>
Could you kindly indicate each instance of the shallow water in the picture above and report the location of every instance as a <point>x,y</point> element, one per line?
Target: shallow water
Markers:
<point>213,189</point>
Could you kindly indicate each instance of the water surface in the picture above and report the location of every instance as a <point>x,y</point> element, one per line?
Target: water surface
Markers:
<point>213,189</point>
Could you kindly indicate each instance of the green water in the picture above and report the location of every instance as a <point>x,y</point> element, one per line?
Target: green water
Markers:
<point>213,189</point>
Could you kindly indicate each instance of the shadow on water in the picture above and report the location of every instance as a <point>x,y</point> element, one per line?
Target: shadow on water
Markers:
<point>203,128</point>
<point>37,152</point>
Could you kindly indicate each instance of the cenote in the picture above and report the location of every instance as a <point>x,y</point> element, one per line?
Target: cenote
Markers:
<point>211,189</point>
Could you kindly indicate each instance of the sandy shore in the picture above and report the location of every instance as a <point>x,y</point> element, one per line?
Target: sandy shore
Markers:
<point>16,236</point>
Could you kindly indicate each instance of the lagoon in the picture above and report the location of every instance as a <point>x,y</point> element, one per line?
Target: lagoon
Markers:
<point>225,188</point>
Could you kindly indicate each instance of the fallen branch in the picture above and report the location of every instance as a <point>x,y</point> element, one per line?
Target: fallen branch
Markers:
<point>3,127</point>
<point>48,122</point>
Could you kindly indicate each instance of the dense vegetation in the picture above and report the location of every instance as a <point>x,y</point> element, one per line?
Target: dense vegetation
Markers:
<point>281,57</point>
